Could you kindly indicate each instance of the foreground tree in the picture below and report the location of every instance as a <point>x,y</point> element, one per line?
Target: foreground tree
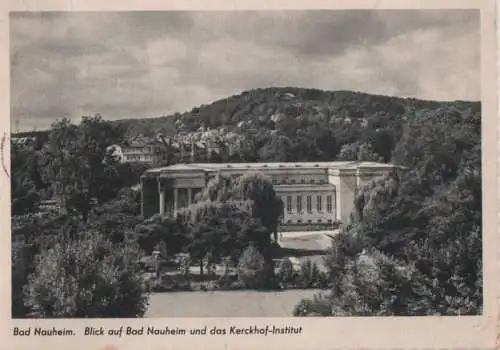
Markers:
<point>32,234</point>
<point>90,277</point>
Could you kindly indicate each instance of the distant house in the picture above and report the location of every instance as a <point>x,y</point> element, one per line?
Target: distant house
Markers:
<point>140,150</point>
<point>23,142</point>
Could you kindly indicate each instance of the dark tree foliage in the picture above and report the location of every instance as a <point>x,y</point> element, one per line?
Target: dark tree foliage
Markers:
<point>151,232</point>
<point>78,164</point>
<point>413,245</point>
<point>220,229</point>
<point>32,234</point>
<point>26,180</point>
<point>117,219</point>
<point>88,277</point>
<point>35,234</point>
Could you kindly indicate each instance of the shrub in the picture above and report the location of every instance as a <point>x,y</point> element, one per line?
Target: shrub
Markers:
<point>185,263</point>
<point>169,283</point>
<point>286,274</point>
<point>252,269</point>
<point>368,284</point>
<point>310,275</point>
<point>318,306</point>
<point>367,288</point>
<point>89,277</point>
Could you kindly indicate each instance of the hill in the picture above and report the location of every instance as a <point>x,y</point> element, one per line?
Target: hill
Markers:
<point>261,107</point>
<point>297,124</point>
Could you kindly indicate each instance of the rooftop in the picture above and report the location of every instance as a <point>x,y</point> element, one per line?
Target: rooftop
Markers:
<point>261,166</point>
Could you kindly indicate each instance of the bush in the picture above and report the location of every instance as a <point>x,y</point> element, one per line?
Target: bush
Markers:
<point>310,276</point>
<point>318,306</point>
<point>366,288</point>
<point>286,274</point>
<point>89,277</point>
<point>252,269</point>
<point>170,283</point>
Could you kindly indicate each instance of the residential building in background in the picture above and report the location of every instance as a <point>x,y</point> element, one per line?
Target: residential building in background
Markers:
<point>24,142</point>
<point>142,150</point>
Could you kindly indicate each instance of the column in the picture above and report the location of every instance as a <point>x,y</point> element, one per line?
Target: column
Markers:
<point>335,204</point>
<point>285,211</point>
<point>190,196</point>
<point>161,195</point>
<point>176,200</point>
<point>142,197</point>
<point>326,215</point>
<point>323,203</point>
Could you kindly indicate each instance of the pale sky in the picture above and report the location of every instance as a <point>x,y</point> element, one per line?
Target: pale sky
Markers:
<point>148,64</point>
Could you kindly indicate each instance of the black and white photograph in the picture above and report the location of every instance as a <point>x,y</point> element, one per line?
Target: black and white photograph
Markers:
<point>266,163</point>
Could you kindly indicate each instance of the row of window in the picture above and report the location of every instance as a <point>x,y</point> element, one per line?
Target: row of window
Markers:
<point>140,150</point>
<point>138,157</point>
<point>319,221</point>
<point>277,181</point>
<point>309,206</point>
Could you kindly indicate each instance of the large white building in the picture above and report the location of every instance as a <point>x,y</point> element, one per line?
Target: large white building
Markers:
<point>311,192</point>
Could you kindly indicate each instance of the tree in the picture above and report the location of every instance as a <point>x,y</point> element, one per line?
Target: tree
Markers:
<point>78,164</point>
<point>25,180</point>
<point>414,245</point>
<point>90,277</point>
<point>253,271</point>
<point>220,229</point>
<point>358,152</point>
<point>277,149</point>
<point>349,152</point>
<point>218,189</point>
<point>265,204</point>
<point>157,229</point>
<point>254,189</point>
<point>117,218</point>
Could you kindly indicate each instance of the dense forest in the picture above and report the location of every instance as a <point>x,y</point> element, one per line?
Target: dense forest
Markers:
<point>413,245</point>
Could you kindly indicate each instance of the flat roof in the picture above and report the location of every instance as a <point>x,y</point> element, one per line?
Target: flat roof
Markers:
<point>263,166</point>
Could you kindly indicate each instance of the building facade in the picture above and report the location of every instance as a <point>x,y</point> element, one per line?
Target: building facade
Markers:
<point>143,151</point>
<point>312,193</point>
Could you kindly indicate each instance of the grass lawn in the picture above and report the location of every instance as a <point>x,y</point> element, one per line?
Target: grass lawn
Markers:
<point>226,303</point>
<point>246,303</point>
